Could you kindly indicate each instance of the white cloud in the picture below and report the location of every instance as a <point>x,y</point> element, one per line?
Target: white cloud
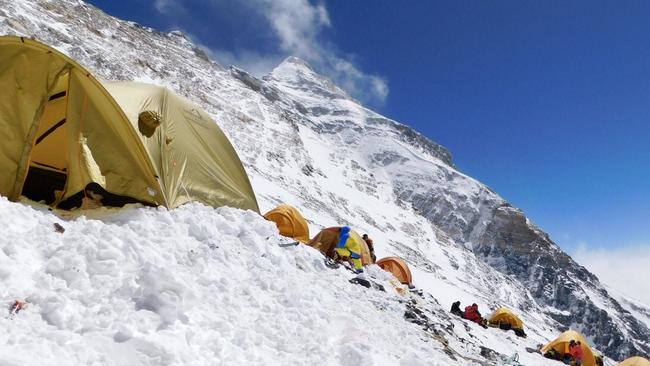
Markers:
<point>168,7</point>
<point>354,81</point>
<point>297,26</point>
<point>625,269</point>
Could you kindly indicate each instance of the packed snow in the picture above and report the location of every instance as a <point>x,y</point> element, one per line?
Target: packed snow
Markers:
<point>199,286</point>
<point>191,286</point>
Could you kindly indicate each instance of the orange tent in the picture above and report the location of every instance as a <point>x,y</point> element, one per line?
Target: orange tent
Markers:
<point>326,241</point>
<point>504,315</point>
<point>290,222</point>
<point>397,267</point>
<point>635,361</point>
<point>561,345</point>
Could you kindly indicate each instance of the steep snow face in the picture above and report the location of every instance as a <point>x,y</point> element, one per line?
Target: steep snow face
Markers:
<point>331,111</point>
<point>202,286</point>
<point>306,142</point>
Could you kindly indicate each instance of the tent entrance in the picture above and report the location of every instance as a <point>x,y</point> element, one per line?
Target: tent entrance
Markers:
<point>48,167</point>
<point>42,184</point>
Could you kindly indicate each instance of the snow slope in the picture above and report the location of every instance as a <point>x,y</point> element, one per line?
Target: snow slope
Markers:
<point>201,286</point>
<point>304,141</point>
<point>190,286</point>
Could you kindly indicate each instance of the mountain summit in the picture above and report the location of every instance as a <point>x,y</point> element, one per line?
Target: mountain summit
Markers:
<point>296,74</point>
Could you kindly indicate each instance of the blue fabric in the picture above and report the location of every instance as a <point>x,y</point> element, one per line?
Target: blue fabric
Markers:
<point>354,255</point>
<point>345,234</point>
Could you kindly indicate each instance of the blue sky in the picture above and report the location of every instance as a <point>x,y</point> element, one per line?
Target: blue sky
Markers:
<point>548,102</point>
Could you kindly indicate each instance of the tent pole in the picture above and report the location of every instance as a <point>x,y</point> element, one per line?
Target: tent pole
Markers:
<point>23,163</point>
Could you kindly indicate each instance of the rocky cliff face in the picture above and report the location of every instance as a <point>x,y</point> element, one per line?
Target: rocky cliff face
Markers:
<point>520,249</point>
<point>504,237</point>
<point>305,141</point>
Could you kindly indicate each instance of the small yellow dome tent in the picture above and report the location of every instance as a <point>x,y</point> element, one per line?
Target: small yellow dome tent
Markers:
<point>327,239</point>
<point>635,361</point>
<point>397,267</point>
<point>290,222</point>
<point>561,345</point>
<point>505,316</point>
<point>63,131</point>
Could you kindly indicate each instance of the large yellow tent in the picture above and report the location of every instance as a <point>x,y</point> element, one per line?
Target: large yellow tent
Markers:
<point>635,361</point>
<point>397,267</point>
<point>290,222</point>
<point>327,239</point>
<point>505,316</point>
<point>561,345</point>
<point>63,131</point>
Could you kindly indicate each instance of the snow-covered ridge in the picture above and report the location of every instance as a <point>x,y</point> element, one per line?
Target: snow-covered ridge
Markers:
<point>192,286</point>
<point>203,286</point>
<point>305,142</point>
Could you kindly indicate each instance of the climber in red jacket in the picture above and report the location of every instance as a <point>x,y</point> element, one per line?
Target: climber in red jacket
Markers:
<point>471,313</point>
<point>575,349</point>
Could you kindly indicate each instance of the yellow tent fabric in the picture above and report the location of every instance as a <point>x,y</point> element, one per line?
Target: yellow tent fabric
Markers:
<point>506,316</point>
<point>290,222</point>
<point>61,130</point>
<point>561,345</point>
<point>635,361</point>
<point>366,258</point>
<point>326,241</point>
<point>397,267</point>
<point>190,153</point>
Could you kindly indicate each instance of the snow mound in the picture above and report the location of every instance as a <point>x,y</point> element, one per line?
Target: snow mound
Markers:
<point>192,286</point>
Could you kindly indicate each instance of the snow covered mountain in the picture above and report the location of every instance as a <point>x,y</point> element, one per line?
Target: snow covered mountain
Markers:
<point>306,142</point>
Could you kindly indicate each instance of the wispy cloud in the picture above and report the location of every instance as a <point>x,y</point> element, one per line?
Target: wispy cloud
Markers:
<point>297,24</point>
<point>624,269</point>
<point>169,7</point>
<point>298,27</point>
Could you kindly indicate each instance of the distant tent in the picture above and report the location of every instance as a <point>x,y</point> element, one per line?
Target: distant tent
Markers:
<point>561,345</point>
<point>635,361</point>
<point>505,316</point>
<point>290,222</point>
<point>63,131</point>
<point>397,267</point>
<point>327,239</point>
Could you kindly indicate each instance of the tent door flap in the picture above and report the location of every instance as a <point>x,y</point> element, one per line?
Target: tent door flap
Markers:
<point>43,182</point>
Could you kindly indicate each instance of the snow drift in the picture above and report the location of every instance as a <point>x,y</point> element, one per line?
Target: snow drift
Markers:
<point>200,286</point>
<point>192,286</point>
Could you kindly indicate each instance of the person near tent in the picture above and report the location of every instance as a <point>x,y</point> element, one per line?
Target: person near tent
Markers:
<point>472,314</point>
<point>553,354</point>
<point>95,196</point>
<point>455,309</point>
<point>371,246</point>
<point>349,248</point>
<point>575,349</point>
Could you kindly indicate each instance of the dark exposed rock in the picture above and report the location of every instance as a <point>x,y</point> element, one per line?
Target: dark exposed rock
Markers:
<point>307,170</point>
<point>255,84</point>
<point>408,134</point>
<point>200,53</point>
